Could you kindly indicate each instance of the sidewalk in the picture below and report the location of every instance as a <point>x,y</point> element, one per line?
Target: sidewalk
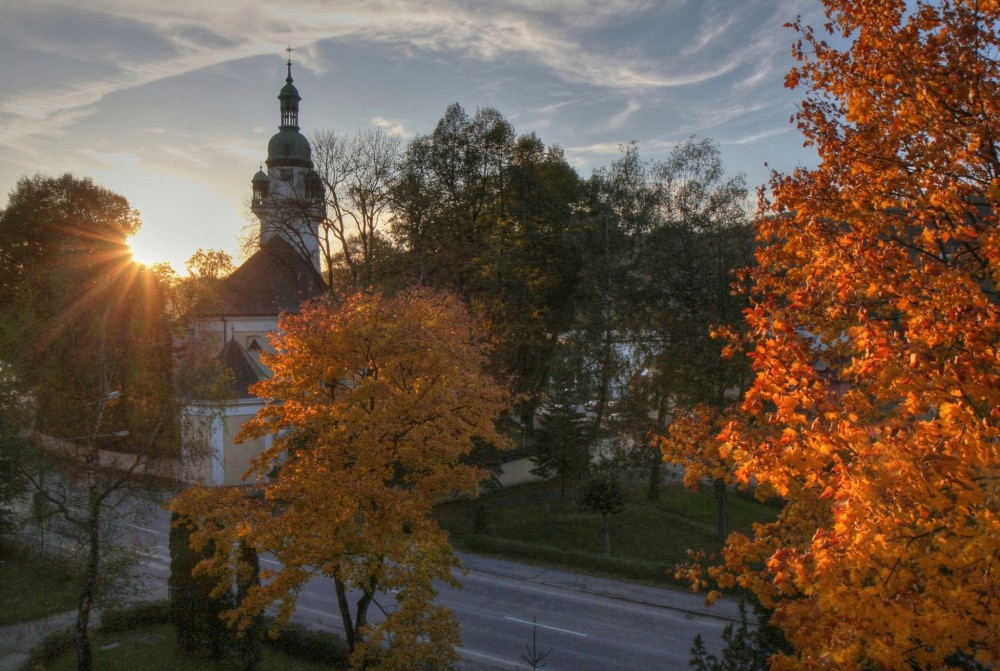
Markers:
<point>17,640</point>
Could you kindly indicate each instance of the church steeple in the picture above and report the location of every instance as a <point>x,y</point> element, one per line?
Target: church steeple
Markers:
<point>288,198</point>
<point>289,98</point>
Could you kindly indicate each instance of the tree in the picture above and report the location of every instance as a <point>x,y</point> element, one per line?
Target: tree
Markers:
<point>448,197</point>
<point>374,402</point>
<point>531,273</point>
<point>689,263</point>
<point>84,341</point>
<point>563,447</point>
<point>491,216</point>
<point>195,613</point>
<point>199,289</point>
<point>12,481</point>
<point>602,493</point>
<point>357,174</point>
<point>874,330</point>
<point>747,647</point>
<point>622,207</point>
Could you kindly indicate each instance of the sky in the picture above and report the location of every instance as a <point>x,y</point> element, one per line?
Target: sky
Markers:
<point>171,104</point>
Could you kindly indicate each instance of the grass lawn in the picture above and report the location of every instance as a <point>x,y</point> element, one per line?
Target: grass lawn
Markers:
<point>33,585</point>
<point>154,649</point>
<point>533,522</point>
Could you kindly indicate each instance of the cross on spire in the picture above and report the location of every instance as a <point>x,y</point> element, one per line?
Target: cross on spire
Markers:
<point>289,78</point>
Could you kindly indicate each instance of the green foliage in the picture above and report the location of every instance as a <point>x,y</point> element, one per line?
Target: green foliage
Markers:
<point>747,647</point>
<point>13,482</point>
<point>563,445</point>
<point>53,646</point>
<point>195,613</point>
<point>493,217</point>
<point>602,493</point>
<point>143,614</point>
<point>310,644</point>
<point>34,584</point>
<point>246,648</point>
<point>68,285</point>
<point>691,259</point>
<point>152,648</point>
<point>531,522</point>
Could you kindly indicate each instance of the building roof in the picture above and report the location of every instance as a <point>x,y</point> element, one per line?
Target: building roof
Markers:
<point>276,279</point>
<point>246,371</point>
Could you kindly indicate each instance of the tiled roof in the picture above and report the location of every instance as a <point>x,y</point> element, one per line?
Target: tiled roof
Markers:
<point>277,278</point>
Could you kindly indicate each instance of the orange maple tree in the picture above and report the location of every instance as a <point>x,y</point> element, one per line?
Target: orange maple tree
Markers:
<point>373,404</point>
<point>876,344</point>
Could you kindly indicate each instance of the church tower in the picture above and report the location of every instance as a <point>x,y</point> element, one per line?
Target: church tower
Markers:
<point>288,198</point>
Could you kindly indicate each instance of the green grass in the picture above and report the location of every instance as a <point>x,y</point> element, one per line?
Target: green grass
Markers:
<point>532,522</point>
<point>154,648</point>
<point>33,585</point>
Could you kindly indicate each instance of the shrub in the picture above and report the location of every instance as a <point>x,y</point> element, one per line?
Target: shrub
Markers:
<point>52,646</point>
<point>310,644</point>
<point>140,615</point>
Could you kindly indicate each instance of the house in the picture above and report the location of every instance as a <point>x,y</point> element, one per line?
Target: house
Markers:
<point>231,330</point>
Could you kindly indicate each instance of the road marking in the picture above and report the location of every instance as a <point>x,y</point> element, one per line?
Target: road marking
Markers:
<point>270,561</point>
<point>545,626</point>
<point>151,531</point>
<point>466,653</point>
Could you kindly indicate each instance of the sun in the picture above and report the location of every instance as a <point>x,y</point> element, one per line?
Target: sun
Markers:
<point>144,250</point>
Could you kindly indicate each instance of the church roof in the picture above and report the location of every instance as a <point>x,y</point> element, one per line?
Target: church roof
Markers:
<point>277,278</point>
<point>246,371</point>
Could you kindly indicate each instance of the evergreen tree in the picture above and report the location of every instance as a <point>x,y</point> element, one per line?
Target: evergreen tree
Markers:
<point>563,445</point>
<point>194,612</point>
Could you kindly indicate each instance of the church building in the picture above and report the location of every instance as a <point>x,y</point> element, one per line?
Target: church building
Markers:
<point>232,329</point>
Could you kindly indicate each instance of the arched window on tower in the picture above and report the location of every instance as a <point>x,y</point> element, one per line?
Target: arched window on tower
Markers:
<point>289,113</point>
<point>314,186</point>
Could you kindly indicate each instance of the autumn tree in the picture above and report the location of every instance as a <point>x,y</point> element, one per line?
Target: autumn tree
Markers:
<point>373,404</point>
<point>84,343</point>
<point>875,322</point>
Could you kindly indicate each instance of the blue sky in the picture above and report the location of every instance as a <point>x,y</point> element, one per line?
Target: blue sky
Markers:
<point>171,104</point>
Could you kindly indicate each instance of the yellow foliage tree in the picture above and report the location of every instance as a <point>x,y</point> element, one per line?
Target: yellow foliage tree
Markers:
<point>374,404</point>
<point>876,345</point>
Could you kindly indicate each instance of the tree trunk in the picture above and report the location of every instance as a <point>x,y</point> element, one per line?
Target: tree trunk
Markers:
<point>655,477</point>
<point>84,655</point>
<point>722,507</point>
<point>656,469</point>
<point>345,614</point>
<point>607,535</point>
<point>603,388</point>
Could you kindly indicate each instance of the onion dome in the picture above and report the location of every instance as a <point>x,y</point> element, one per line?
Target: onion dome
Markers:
<point>260,183</point>
<point>288,147</point>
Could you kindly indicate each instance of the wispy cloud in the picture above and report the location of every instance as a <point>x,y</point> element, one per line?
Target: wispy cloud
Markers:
<point>393,126</point>
<point>757,137</point>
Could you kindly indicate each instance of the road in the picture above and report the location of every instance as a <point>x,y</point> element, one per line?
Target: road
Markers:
<point>590,623</point>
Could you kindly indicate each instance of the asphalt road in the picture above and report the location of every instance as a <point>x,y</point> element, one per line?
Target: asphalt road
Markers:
<point>589,623</point>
